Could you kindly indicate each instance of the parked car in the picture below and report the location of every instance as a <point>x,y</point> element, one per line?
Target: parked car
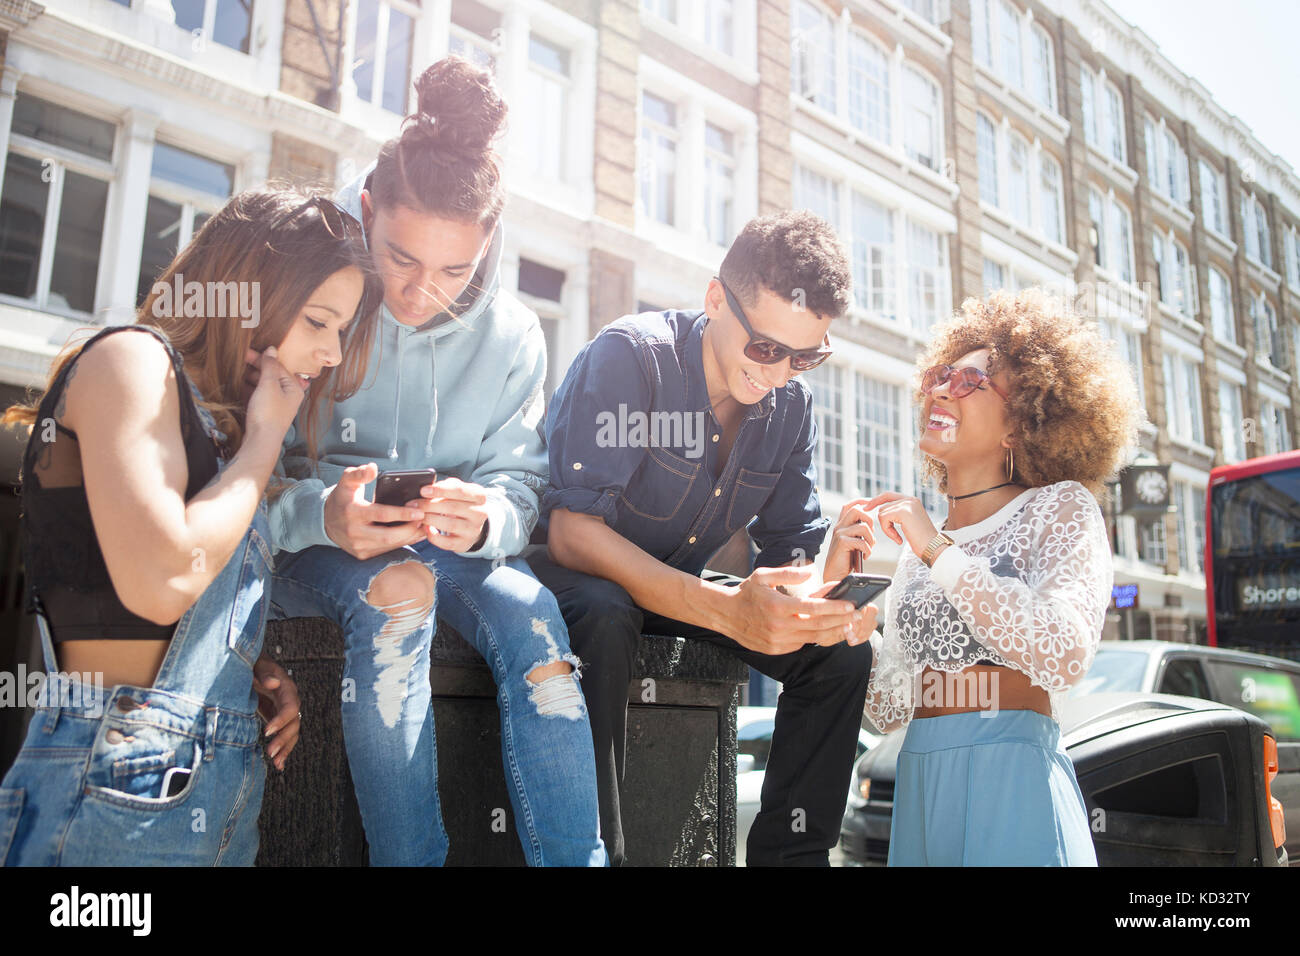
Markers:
<point>753,742</point>
<point>1167,780</point>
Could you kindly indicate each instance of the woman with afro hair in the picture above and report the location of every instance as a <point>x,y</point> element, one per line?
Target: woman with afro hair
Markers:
<point>1025,412</point>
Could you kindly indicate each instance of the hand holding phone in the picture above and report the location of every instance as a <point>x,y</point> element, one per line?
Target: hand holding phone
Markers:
<point>858,587</point>
<point>398,487</point>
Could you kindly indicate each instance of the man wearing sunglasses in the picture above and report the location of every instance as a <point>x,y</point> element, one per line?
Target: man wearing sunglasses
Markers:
<point>634,515</point>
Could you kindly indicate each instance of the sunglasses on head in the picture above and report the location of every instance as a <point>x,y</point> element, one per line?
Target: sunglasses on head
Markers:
<point>766,352</point>
<point>338,222</point>
<point>961,381</point>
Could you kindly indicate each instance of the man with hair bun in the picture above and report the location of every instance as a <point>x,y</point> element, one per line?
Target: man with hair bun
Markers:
<point>453,384</point>
<point>672,431</point>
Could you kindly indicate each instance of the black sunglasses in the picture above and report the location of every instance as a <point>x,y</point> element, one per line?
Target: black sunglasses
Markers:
<point>338,222</point>
<point>766,352</point>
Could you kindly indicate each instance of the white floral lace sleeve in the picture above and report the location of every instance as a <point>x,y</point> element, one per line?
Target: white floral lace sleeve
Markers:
<point>1030,593</point>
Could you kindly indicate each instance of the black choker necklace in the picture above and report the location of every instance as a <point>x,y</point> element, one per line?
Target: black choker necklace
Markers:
<point>985,491</point>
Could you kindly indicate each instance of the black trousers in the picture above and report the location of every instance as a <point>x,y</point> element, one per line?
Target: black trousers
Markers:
<point>814,742</point>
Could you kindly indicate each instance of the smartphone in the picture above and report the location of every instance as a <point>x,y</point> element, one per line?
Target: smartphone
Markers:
<point>174,781</point>
<point>858,588</point>
<point>399,487</point>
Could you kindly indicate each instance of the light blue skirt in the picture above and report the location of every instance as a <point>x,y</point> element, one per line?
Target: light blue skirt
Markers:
<point>988,791</point>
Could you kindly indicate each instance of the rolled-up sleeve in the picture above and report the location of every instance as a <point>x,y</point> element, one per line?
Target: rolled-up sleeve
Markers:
<point>790,527</point>
<point>590,466</point>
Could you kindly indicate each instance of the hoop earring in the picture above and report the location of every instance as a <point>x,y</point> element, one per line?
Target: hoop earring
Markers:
<point>1011,463</point>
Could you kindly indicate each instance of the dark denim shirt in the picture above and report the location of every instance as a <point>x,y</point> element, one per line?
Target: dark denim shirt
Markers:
<point>633,440</point>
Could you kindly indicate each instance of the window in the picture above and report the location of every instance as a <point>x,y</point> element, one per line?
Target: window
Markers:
<point>1189,503</point>
<point>186,189</point>
<point>719,22</point>
<point>1183,398</point>
<point>658,158</point>
<point>1212,209</point>
<point>886,273</point>
<point>813,54</point>
<point>868,72</point>
<point>1042,69</point>
<point>542,288</point>
<point>1268,345</point>
<point>817,194</point>
<point>52,205</point>
<point>986,145</point>
<point>1105,132</point>
<point>1152,542</point>
<point>711,21</point>
<point>1176,169</point>
<point>921,118</point>
<point>925,9</point>
<point>473,46</point>
<point>1011,62</point>
<point>1176,278</point>
<point>874,460</point>
<point>543,122</point>
<point>1129,344</point>
<point>826,382</point>
<point>1221,321</point>
<point>1276,435</point>
<point>1254,225</point>
<point>879,431</point>
<point>228,22</point>
<point>927,276</point>
<point>1017,51</point>
<point>719,184</point>
<point>1050,181</point>
<point>1114,247</point>
<point>994,276</point>
<point>1231,417</point>
<point>382,50</point>
<point>1018,179</point>
<point>873,257</point>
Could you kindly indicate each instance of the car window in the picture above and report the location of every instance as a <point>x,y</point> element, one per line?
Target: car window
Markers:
<point>1271,695</point>
<point>1113,670</point>
<point>1183,675</point>
<point>755,739</point>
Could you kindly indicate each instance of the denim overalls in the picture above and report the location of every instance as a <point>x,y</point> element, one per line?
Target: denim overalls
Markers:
<point>86,789</point>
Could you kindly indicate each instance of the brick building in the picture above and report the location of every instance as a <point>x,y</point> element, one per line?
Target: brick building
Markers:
<point>957,145</point>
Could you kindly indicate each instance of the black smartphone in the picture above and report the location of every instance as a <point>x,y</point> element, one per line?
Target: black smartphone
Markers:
<point>398,487</point>
<point>858,588</point>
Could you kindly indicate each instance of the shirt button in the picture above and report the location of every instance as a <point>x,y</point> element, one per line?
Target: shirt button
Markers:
<point>577,466</point>
<point>125,704</point>
<point>691,539</point>
<point>114,736</point>
<point>716,492</point>
<point>715,437</point>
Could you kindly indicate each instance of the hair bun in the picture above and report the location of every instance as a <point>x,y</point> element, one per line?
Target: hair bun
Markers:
<point>459,107</point>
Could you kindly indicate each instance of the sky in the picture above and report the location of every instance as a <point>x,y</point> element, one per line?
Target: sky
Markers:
<point>1243,51</point>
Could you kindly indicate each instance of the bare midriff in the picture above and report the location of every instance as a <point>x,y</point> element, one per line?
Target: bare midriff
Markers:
<point>978,687</point>
<point>114,662</point>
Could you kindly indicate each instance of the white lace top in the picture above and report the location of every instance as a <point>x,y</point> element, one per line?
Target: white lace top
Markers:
<point>1027,588</point>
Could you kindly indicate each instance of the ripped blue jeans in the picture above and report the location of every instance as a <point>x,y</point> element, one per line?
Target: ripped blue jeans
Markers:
<point>388,623</point>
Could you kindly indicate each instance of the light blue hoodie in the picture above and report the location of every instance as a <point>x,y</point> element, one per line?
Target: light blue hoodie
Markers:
<point>464,397</point>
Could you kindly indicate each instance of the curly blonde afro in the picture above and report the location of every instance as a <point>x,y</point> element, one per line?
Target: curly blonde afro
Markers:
<point>1073,402</point>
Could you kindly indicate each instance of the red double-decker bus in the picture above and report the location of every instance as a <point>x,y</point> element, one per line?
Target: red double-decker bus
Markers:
<point>1252,559</point>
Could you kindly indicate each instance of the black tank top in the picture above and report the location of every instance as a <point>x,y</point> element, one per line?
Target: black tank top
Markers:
<point>67,579</point>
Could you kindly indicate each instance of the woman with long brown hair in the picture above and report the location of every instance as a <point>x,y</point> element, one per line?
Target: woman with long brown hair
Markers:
<point>145,541</point>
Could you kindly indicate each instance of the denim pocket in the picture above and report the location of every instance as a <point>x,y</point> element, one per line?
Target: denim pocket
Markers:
<point>752,490</point>
<point>129,764</point>
<point>248,617</point>
<point>11,808</point>
<point>660,485</point>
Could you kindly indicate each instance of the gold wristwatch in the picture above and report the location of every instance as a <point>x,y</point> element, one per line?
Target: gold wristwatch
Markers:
<point>937,543</point>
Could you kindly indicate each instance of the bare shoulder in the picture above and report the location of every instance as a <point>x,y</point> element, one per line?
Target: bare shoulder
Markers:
<point>121,374</point>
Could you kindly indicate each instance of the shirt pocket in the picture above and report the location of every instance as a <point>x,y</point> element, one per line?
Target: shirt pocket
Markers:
<point>660,486</point>
<point>752,490</point>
